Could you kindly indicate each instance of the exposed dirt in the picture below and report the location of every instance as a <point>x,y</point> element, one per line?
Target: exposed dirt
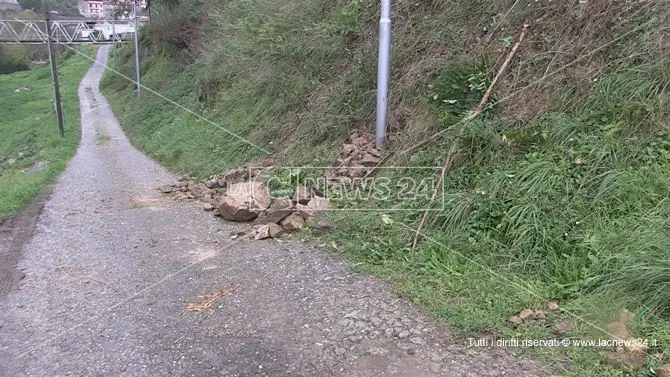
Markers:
<point>15,230</point>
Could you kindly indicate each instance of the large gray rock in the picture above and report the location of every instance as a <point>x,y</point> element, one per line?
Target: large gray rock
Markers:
<point>316,204</point>
<point>278,210</point>
<point>271,230</point>
<point>293,222</point>
<point>302,195</point>
<point>244,201</point>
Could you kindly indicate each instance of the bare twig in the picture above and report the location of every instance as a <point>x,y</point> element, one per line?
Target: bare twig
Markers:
<point>448,165</point>
<point>502,70</point>
<point>449,161</point>
<point>487,95</point>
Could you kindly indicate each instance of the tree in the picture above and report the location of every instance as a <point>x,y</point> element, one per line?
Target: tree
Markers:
<point>66,7</point>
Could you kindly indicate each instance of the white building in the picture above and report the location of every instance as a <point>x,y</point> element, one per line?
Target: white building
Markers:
<point>91,8</point>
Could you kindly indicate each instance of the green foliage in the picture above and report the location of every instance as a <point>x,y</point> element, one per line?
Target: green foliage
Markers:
<point>30,133</point>
<point>458,89</point>
<point>65,7</point>
<point>12,59</point>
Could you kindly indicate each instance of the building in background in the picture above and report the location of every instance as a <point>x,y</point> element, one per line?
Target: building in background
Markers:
<point>91,8</point>
<point>119,9</point>
<point>9,5</point>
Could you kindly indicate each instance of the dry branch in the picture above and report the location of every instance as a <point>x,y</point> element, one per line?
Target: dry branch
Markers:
<point>448,165</point>
<point>448,162</point>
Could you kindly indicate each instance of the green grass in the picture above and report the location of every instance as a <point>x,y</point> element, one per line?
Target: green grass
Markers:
<point>558,190</point>
<point>29,129</point>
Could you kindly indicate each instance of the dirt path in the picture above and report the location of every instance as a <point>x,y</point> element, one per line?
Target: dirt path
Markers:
<point>110,270</point>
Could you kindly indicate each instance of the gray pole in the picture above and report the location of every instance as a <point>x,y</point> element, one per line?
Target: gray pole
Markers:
<point>137,49</point>
<point>113,41</point>
<point>383,72</point>
<point>54,75</point>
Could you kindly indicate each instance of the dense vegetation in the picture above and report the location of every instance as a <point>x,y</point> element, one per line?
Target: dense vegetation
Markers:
<point>64,7</point>
<point>31,151</point>
<point>14,58</point>
<point>558,191</point>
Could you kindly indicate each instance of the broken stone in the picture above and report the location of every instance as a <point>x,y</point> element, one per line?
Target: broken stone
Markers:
<point>278,210</point>
<point>275,230</point>
<point>625,316</point>
<point>359,141</point>
<point>199,190</point>
<point>234,208</point>
<point>618,330</point>
<point>349,149</point>
<point>663,371</point>
<point>315,205</point>
<point>527,314</point>
<point>625,359</point>
<point>324,225</point>
<point>293,222</point>
<point>356,171</point>
<point>215,183</point>
<point>514,321</point>
<point>208,207</point>
<point>552,306</point>
<point>302,195</point>
<point>369,160</point>
<point>267,231</point>
<point>167,189</point>
<point>235,175</point>
<point>244,201</point>
<point>564,327</point>
<point>375,152</point>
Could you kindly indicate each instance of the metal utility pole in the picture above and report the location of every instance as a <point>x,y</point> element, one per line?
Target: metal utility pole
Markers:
<point>54,75</point>
<point>383,72</point>
<point>137,49</point>
<point>114,40</point>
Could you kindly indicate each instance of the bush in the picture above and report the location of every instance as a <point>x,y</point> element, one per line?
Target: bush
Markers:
<point>13,59</point>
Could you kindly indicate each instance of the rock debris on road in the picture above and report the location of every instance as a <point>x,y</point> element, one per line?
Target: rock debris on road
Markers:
<point>113,265</point>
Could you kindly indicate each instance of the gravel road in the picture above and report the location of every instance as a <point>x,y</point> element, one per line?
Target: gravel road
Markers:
<point>112,266</point>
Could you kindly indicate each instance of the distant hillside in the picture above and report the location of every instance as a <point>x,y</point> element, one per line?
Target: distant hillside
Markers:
<point>65,7</point>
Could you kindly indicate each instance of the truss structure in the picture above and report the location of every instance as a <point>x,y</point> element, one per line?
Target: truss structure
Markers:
<point>65,32</point>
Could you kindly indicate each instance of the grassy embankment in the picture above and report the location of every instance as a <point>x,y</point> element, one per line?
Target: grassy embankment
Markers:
<point>31,151</point>
<point>559,191</point>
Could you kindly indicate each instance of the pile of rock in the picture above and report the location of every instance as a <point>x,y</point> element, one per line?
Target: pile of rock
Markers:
<point>251,200</point>
<point>187,188</point>
<point>357,159</point>
<point>211,190</point>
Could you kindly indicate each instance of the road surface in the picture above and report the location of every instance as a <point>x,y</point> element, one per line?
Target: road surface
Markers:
<point>112,267</point>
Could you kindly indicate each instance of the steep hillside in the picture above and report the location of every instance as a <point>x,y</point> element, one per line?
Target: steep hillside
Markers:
<point>556,191</point>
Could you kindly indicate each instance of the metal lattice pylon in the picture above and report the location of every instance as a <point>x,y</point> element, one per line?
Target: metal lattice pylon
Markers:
<point>64,32</point>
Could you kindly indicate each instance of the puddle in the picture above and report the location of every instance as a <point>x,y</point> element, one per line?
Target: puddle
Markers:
<point>37,167</point>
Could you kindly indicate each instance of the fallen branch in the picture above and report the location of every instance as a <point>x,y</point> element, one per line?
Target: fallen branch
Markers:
<point>206,302</point>
<point>448,162</point>
<point>487,95</point>
<point>448,165</point>
<point>502,70</point>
